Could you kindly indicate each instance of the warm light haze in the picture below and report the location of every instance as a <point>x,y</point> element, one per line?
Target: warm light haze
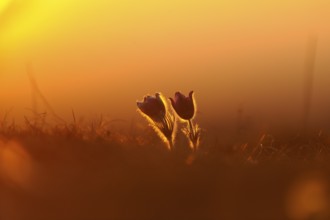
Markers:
<point>101,56</point>
<point>164,109</point>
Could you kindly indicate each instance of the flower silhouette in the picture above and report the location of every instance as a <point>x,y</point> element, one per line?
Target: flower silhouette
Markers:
<point>154,109</point>
<point>184,106</point>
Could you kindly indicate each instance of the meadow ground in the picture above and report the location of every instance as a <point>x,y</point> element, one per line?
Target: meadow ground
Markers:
<point>95,171</point>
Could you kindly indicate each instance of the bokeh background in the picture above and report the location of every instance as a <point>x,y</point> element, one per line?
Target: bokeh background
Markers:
<point>246,60</point>
<point>101,56</point>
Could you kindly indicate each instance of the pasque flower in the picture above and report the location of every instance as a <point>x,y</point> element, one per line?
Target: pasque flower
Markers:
<point>185,108</point>
<point>154,109</point>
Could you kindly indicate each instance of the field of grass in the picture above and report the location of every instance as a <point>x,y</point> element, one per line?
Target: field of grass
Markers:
<point>99,171</point>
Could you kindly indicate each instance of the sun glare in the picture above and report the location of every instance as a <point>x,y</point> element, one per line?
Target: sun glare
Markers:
<point>27,20</point>
<point>4,4</point>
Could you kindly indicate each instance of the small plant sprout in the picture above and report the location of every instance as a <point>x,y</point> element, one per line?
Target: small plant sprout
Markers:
<point>185,108</point>
<point>155,110</point>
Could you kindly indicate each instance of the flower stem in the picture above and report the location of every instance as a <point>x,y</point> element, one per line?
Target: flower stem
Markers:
<point>192,135</point>
<point>170,144</point>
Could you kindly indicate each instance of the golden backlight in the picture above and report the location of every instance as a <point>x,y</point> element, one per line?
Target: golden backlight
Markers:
<point>100,56</point>
<point>243,111</point>
<point>4,4</point>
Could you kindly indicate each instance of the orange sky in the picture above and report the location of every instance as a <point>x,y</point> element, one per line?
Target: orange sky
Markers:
<point>101,56</point>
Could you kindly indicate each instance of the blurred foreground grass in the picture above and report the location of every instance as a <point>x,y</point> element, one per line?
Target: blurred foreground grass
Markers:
<point>96,170</point>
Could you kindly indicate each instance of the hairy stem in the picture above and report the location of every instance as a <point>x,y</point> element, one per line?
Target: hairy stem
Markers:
<point>192,135</point>
<point>170,143</point>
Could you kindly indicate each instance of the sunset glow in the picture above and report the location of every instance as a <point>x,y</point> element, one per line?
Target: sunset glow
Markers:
<point>4,4</point>
<point>93,55</point>
<point>164,109</point>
